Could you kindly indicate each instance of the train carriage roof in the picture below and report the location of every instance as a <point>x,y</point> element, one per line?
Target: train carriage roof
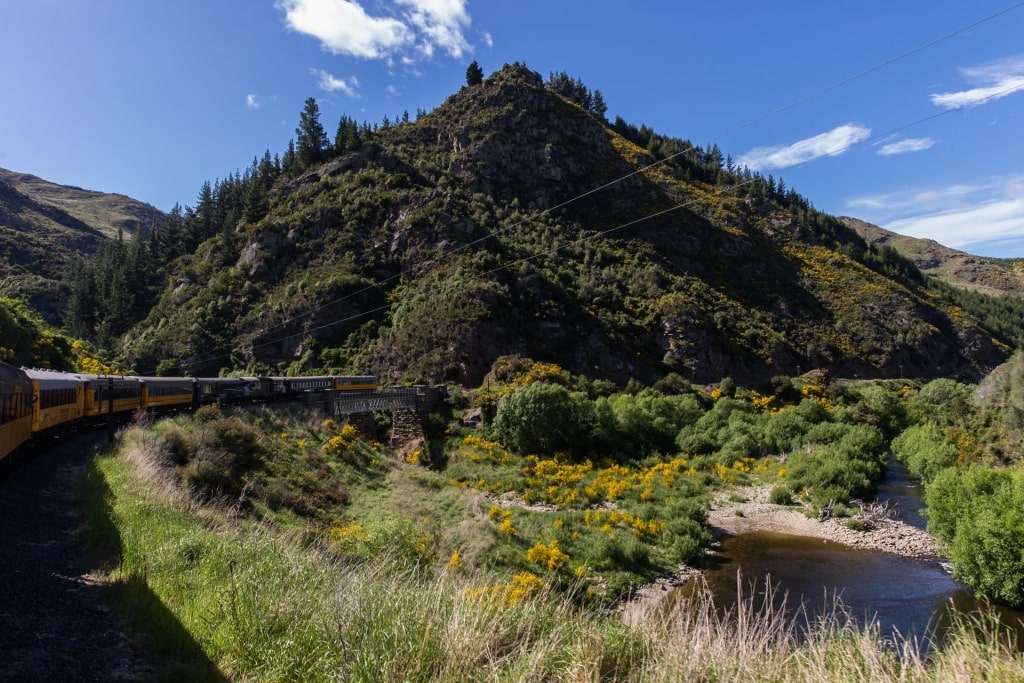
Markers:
<point>9,373</point>
<point>51,379</point>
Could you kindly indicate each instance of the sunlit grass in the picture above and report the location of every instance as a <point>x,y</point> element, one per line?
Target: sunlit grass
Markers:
<point>265,604</point>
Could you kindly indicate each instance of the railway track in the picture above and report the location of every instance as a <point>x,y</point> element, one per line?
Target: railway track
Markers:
<point>54,621</point>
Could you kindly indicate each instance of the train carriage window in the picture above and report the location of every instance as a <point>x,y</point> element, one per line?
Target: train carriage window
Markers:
<point>173,390</point>
<point>127,391</point>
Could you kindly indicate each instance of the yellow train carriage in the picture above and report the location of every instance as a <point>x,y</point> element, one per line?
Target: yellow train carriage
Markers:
<point>355,383</point>
<point>126,392</point>
<point>167,392</point>
<point>59,399</point>
<point>15,409</point>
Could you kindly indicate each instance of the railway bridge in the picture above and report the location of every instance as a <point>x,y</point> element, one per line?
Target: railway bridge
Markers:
<point>409,406</point>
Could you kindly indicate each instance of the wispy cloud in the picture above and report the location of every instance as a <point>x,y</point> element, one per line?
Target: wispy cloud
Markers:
<point>439,23</point>
<point>998,221</point>
<point>252,101</point>
<point>830,143</point>
<point>980,218</point>
<point>993,81</point>
<point>405,29</point>
<point>331,83</point>
<point>906,146</point>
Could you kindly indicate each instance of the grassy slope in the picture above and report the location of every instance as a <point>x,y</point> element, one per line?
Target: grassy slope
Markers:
<point>260,603</point>
<point>103,211</point>
<point>989,276</point>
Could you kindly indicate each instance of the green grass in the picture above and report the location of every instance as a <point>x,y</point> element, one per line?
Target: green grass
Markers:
<point>218,596</point>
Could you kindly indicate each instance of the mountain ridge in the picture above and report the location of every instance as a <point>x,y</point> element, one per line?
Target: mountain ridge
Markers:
<point>446,243</point>
<point>107,212</point>
<point>45,227</point>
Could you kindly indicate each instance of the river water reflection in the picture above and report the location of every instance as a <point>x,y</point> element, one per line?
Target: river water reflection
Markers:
<point>911,597</point>
<point>904,595</point>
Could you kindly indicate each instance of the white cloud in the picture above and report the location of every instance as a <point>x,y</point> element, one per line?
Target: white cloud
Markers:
<point>994,81</point>
<point>905,146</point>
<point>252,102</point>
<point>408,27</point>
<point>1000,220</point>
<point>830,143</point>
<point>976,218</point>
<point>440,24</point>
<point>344,27</point>
<point>921,201</point>
<point>332,83</point>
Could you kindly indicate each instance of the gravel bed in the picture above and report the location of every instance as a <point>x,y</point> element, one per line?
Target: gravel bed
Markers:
<point>755,513</point>
<point>55,625</point>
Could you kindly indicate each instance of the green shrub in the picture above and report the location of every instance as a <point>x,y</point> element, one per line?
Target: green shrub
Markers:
<point>544,419</point>
<point>977,513</point>
<point>780,495</point>
<point>623,551</point>
<point>174,444</point>
<point>925,450</point>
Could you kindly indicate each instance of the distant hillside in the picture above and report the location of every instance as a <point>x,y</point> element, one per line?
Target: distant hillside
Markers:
<point>515,220</point>
<point>988,276</point>
<point>102,211</point>
<point>44,226</point>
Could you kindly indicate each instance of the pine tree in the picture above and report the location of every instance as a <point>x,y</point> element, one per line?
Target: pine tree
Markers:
<point>80,318</point>
<point>474,74</point>
<point>311,137</point>
<point>290,162</point>
<point>598,105</point>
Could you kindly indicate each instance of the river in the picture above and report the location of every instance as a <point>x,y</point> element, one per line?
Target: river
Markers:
<point>913,598</point>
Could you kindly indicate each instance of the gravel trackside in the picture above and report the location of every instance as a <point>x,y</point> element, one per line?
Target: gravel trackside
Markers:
<point>54,625</point>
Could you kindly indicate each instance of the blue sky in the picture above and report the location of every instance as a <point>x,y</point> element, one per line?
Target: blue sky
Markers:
<point>906,114</point>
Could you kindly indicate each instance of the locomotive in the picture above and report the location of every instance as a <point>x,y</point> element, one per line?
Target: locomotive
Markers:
<point>45,402</point>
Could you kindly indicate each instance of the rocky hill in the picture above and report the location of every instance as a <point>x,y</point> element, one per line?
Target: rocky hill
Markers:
<point>44,226</point>
<point>513,221</point>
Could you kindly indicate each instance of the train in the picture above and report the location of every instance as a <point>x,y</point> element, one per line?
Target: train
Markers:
<point>46,402</point>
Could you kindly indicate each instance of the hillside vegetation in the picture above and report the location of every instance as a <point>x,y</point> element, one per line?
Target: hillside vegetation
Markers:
<point>45,229</point>
<point>515,219</point>
<point>955,268</point>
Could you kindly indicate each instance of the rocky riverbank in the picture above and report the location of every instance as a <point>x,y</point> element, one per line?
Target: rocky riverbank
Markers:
<point>748,509</point>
